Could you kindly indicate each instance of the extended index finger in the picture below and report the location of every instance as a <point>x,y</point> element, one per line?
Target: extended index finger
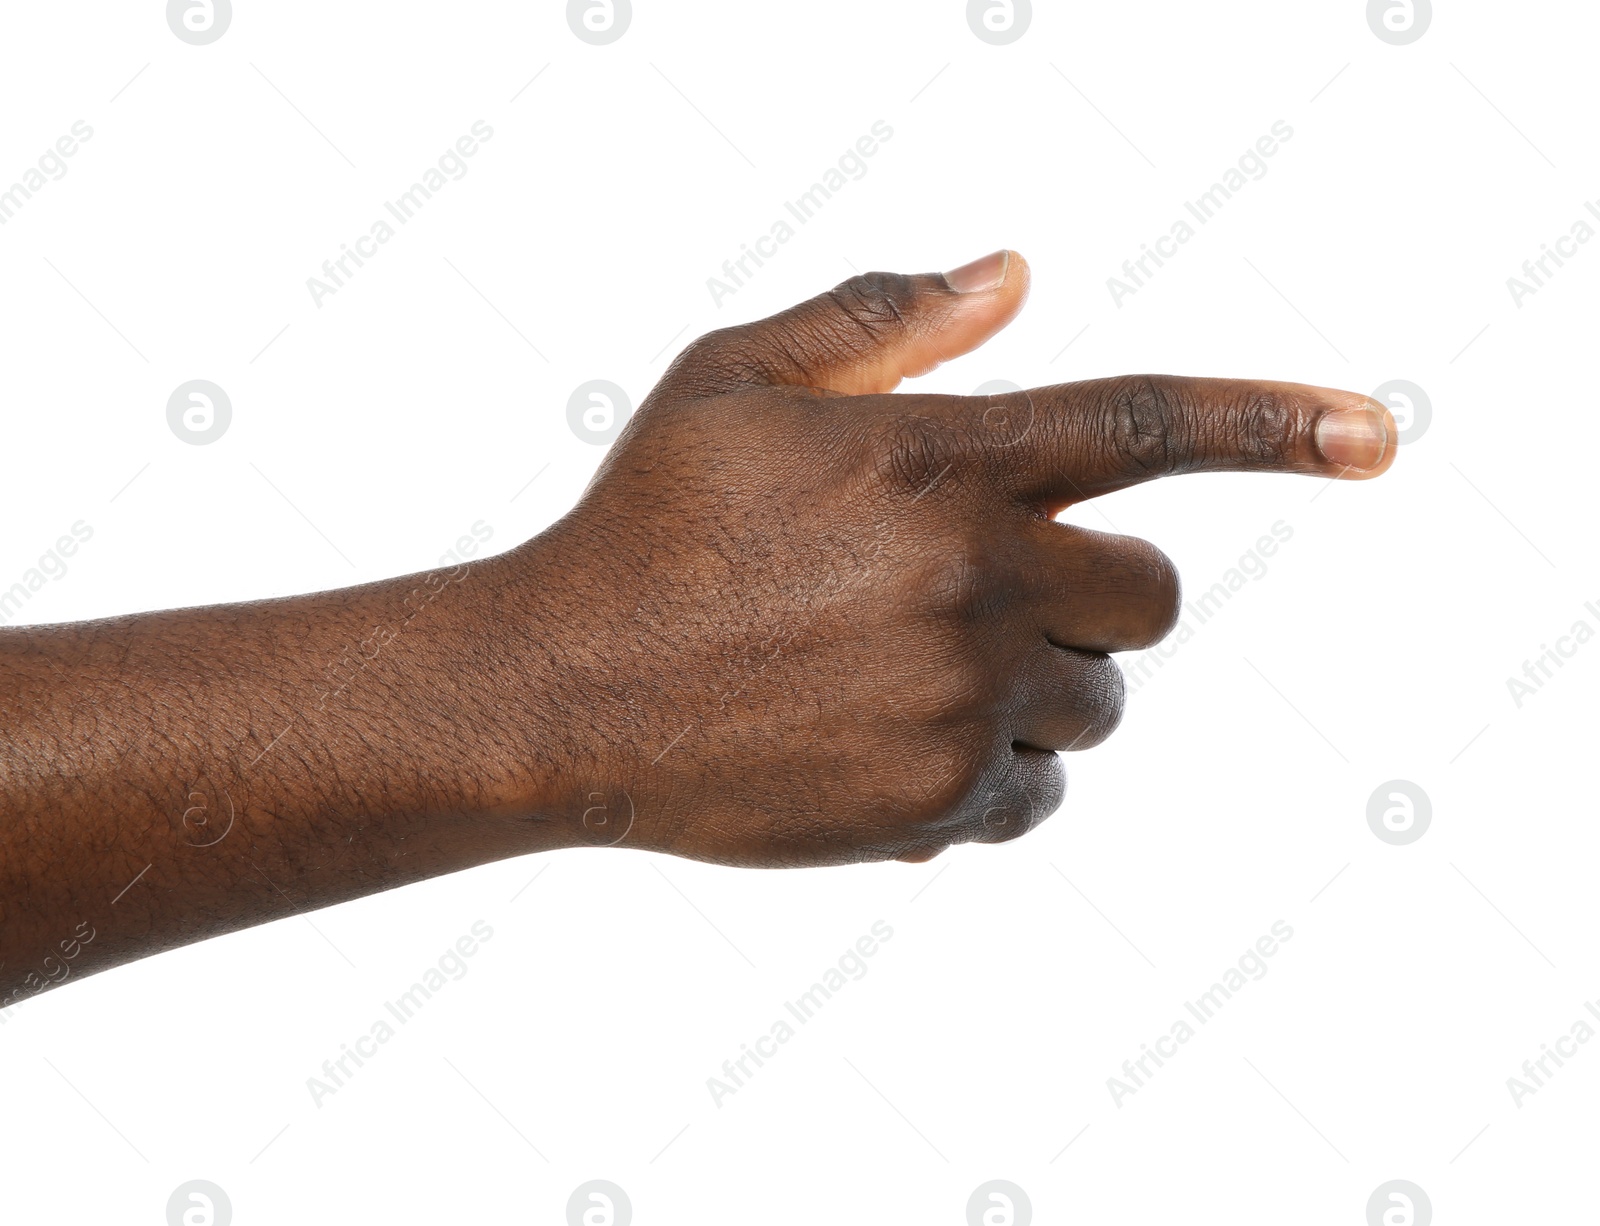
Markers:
<point>1086,439</point>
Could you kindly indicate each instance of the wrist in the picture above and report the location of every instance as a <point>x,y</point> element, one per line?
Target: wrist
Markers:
<point>518,679</point>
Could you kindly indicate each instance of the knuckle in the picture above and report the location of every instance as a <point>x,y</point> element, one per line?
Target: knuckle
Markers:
<point>712,347</point>
<point>1267,428</point>
<point>1049,788</point>
<point>756,354</point>
<point>956,586</point>
<point>1033,791</point>
<point>958,689</point>
<point>717,356</point>
<point>1105,696</point>
<point>1138,423</point>
<point>1155,581</point>
<point>916,455</point>
<point>956,775</point>
<point>968,584</point>
<point>874,301</point>
<point>949,695</point>
<point>1044,780</point>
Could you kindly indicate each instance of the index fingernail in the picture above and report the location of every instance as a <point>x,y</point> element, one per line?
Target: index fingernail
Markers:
<point>1355,438</point>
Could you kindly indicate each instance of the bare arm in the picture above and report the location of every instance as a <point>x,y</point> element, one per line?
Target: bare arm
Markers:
<point>793,621</point>
<point>171,776</point>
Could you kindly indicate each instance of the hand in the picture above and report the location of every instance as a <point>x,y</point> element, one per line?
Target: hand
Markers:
<point>795,620</point>
<point>809,622</point>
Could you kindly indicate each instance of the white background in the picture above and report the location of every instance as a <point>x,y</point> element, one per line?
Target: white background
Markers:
<point>372,431</point>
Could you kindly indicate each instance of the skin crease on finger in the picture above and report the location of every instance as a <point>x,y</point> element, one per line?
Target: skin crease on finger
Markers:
<point>794,620</point>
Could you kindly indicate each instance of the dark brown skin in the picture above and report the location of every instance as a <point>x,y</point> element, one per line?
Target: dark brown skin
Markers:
<point>795,620</point>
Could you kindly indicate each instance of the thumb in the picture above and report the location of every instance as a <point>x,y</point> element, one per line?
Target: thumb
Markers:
<point>862,336</point>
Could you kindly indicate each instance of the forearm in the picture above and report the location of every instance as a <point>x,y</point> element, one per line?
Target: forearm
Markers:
<point>794,621</point>
<point>171,776</point>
